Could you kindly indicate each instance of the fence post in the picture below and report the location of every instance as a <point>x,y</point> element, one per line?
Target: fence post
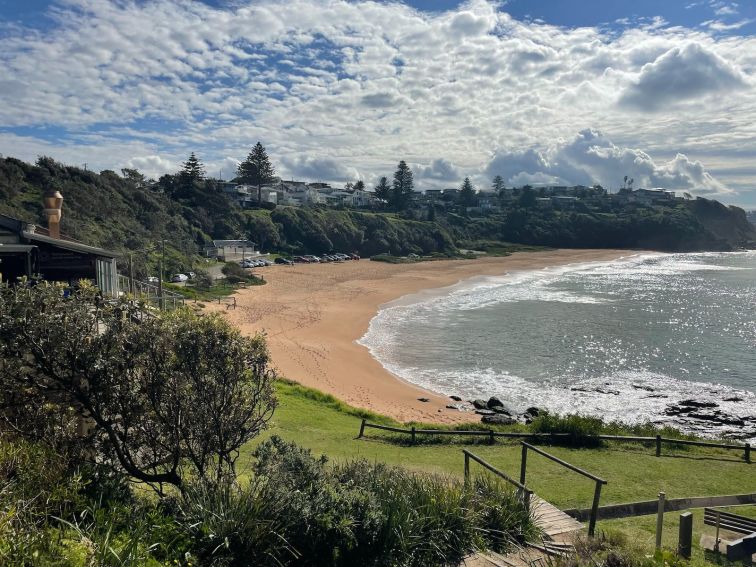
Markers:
<point>467,469</point>
<point>658,445</point>
<point>685,538</point>
<point>413,434</point>
<point>526,500</point>
<point>362,429</point>
<point>594,510</point>
<point>660,520</point>
<point>747,453</point>
<point>491,436</point>
<point>523,463</point>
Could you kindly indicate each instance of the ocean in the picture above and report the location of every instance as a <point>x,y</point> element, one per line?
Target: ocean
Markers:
<point>622,340</point>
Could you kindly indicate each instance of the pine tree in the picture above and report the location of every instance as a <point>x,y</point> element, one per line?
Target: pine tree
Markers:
<point>256,169</point>
<point>383,190</point>
<point>498,184</point>
<point>401,194</point>
<point>192,169</point>
<point>359,186</point>
<point>467,196</point>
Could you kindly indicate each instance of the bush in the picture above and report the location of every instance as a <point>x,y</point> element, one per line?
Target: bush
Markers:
<point>364,513</point>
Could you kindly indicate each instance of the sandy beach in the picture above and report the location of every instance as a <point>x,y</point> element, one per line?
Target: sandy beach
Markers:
<point>313,315</point>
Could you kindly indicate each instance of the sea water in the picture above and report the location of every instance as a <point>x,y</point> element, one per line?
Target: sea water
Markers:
<point>620,339</point>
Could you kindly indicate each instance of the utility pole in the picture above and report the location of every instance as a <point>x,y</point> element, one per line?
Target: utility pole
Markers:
<point>132,291</point>
<point>161,299</point>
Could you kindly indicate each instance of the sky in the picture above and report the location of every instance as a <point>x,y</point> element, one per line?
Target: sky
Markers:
<point>537,91</point>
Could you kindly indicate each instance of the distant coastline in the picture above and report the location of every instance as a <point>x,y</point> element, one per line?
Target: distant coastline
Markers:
<point>313,316</point>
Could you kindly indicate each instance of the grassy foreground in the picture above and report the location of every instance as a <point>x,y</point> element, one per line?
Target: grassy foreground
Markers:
<point>325,425</point>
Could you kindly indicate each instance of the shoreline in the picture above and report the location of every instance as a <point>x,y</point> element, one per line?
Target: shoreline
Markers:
<point>314,314</point>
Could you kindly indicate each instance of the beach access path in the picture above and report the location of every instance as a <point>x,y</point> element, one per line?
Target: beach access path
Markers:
<point>313,314</point>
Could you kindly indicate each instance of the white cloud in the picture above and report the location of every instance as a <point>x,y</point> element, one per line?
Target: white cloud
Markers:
<point>439,169</point>
<point>152,166</point>
<point>681,74</point>
<point>364,85</point>
<point>319,169</point>
<point>591,158</point>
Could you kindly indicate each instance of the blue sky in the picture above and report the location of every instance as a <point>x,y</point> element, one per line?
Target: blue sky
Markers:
<point>547,91</point>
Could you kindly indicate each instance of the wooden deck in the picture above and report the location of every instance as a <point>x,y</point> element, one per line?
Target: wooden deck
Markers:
<point>556,525</point>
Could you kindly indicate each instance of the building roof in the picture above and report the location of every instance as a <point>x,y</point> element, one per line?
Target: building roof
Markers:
<point>22,228</point>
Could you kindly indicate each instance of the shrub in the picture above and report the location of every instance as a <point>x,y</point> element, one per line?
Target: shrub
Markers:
<point>372,514</point>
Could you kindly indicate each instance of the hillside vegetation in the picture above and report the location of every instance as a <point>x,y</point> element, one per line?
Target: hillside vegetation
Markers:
<point>125,213</point>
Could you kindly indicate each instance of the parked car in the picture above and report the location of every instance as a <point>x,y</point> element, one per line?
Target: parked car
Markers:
<point>153,279</point>
<point>311,258</point>
<point>354,256</point>
<point>178,278</point>
<point>284,261</point>
<point>265,262</point>
<point>302,260</point>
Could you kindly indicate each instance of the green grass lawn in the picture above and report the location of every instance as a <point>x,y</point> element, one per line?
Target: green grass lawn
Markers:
<point>633,472</point>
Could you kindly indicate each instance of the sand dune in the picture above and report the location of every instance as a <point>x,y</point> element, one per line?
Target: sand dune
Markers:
<point>313,314</point>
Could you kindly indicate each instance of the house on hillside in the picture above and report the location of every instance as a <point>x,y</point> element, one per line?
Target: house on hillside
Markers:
<point>28,250</point>
<point>646,196</point>
<point>229,250</point>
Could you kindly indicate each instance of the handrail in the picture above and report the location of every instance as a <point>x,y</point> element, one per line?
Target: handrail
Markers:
<point>563,463</point>
<point>524,491</point>
<point>596,493</point>
<point>496,471</point>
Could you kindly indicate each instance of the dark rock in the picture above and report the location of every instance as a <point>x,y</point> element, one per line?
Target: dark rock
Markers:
<point>485,412</point>
<point>494,402</point>
<point>479,404</point>
<point>733,399</point>
<point>501,409</point>
<point>423,400</point>
<point>456,398</point>
<point>655,396</point>
<point>458,407</point>
<point>534,411</point>
<point>598,390</point>
<point>642,387</point>
<point>697,404</point>
<point>498,419</point>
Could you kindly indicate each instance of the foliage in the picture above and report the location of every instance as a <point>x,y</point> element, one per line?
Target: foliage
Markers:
<point>498,184</point>
<point>467,197</point>
<point>192,170</point>
<point>256,169</point>
<point>159,398</point>
<point>402,188</point>
<point>365,513</point>
<point>383,190</point>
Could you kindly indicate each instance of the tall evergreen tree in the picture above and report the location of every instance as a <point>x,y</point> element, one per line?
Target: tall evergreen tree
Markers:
<point>192,169</point>
<point>401,194</point>
<point>467,196</point>
<point>383,190</point>
<point>256,169</point>
<point>359,185</point>
<point>498,184</point>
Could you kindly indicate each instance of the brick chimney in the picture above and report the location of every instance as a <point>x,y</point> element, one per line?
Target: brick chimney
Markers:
<point>53,202</point>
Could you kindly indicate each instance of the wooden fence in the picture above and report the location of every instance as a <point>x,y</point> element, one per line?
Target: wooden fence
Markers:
<point>597,490</point>
<point>491,435</point>
<point>523,491</point>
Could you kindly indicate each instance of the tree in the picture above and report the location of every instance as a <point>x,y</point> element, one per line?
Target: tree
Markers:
<point>359,185</point>
<point>192,170</point>
<point>164,399</point>
<point>498,184</point>
<point>403,187</point>
<point>467,197</point>
<point>527,198</point>
<point>383,190</point>
<point>432,212</point>
<point>256,169</point>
